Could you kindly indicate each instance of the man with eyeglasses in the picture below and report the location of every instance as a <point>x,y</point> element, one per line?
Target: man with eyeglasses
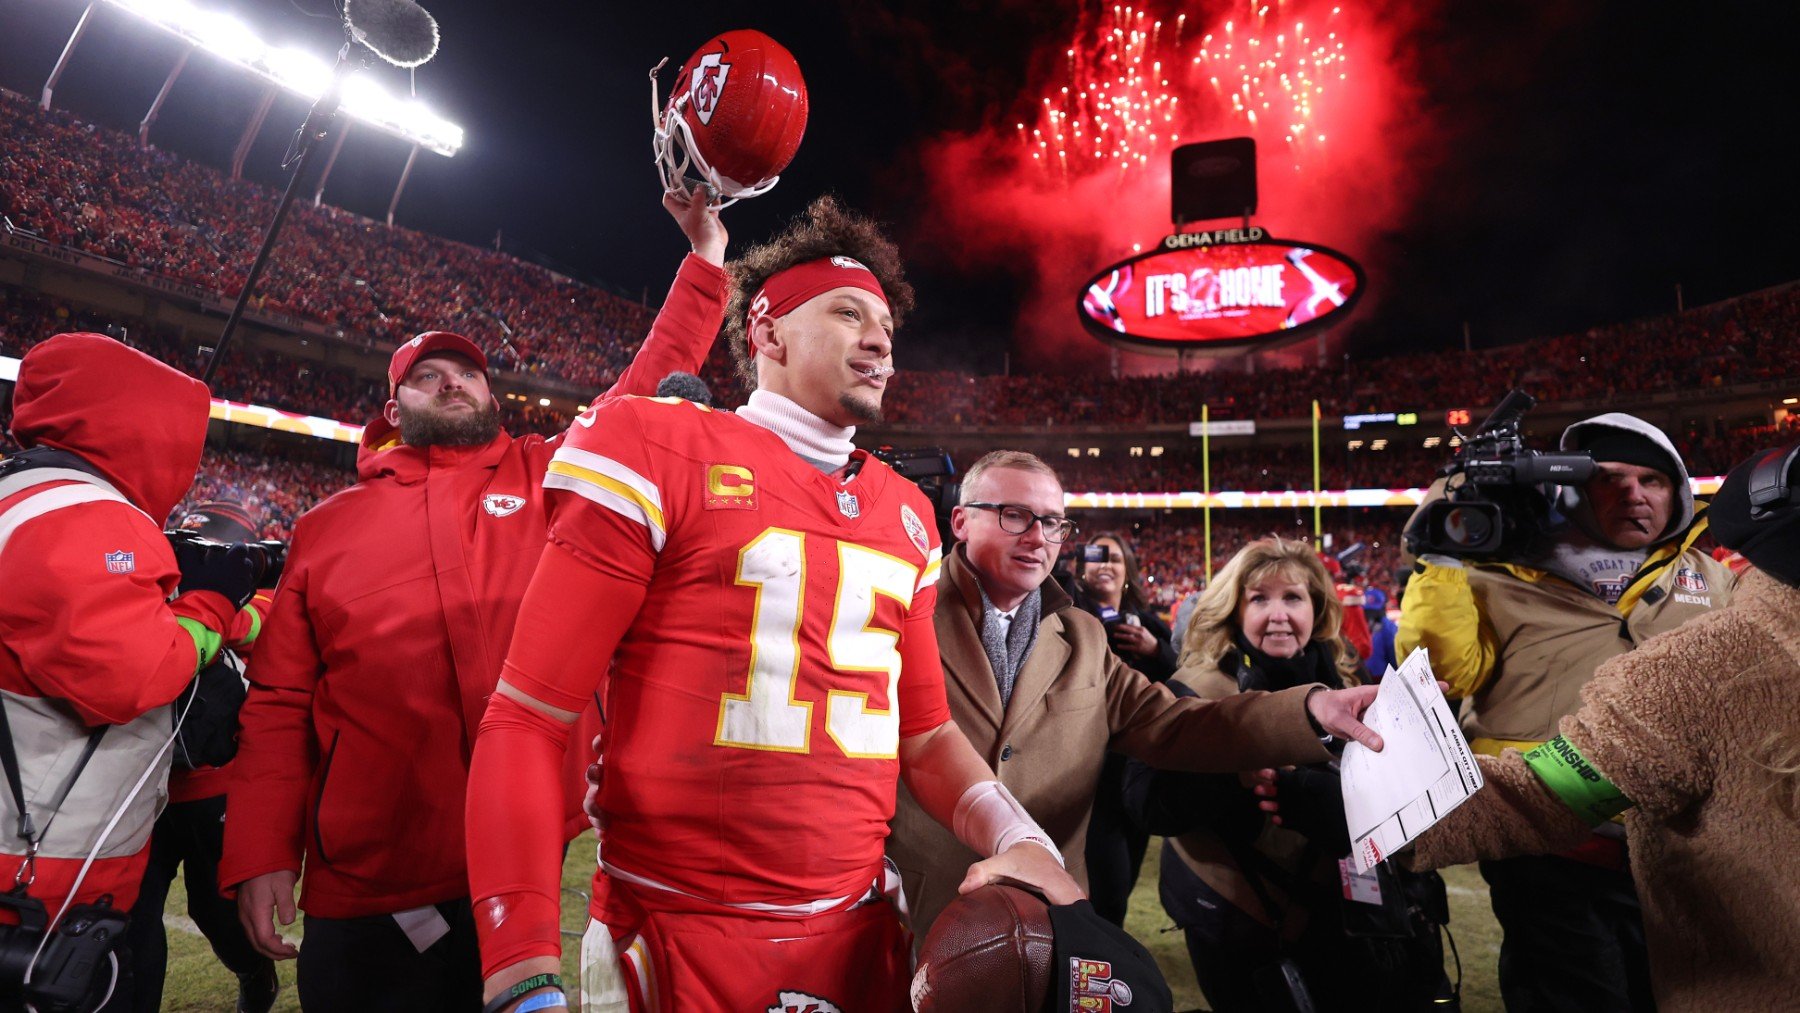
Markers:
<point>1035,688</point>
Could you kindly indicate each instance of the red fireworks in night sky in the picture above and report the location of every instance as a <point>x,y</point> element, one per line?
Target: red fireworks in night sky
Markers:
<point>1080,169</point>
<point>1131,81</point>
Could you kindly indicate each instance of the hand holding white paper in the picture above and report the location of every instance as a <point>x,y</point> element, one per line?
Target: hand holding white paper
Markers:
<point>1424,770</point>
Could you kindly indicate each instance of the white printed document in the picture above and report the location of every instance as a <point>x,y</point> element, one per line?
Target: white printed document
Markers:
<point>1424,769</point>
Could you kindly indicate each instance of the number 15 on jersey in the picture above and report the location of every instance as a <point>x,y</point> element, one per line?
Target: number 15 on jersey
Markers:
<point>768,714</point>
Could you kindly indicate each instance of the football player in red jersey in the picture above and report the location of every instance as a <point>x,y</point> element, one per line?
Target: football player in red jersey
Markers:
<point>763,593</point>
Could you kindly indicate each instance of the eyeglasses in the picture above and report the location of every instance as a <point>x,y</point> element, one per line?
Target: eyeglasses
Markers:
<point>1016,520</point>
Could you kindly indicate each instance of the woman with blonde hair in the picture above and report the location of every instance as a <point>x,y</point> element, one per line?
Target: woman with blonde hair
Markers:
<point>1218,629</point>
<point>1262,903</point>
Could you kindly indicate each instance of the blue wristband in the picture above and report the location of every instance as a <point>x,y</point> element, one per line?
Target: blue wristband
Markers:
<point>545,1000</point>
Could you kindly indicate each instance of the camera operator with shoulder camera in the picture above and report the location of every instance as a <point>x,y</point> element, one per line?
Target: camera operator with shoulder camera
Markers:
<point>1519,599</point>
<point>100,632</point>
<point>190,834</point>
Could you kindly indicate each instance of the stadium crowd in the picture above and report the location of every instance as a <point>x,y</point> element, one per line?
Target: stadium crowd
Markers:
<point>1732,342</point>
<point>117,203</point>
<point>94,190</point>
<point>279,489</point>
<point>1172,556</point>
<point>1401,464</point>
<point>250,375</point>
<point>275,489</point>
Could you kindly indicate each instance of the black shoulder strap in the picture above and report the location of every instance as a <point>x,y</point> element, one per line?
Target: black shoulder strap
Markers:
<point>47,457</point>
<point>9,758</point>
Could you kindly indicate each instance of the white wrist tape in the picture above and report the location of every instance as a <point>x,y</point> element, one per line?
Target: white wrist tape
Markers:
<point>989,820</point>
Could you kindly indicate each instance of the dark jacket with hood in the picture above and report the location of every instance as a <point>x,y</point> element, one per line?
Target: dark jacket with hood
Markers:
<point>392,619</point>
<point>88,635</point>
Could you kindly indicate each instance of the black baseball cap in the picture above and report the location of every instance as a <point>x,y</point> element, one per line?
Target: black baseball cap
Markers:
<point>1099,963</point>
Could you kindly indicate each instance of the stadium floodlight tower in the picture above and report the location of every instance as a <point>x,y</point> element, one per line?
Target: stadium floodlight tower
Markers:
<point>399,32</point>
<point>279,68</point>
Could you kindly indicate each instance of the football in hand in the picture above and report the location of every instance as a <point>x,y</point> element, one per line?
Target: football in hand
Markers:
<point>990,951</point>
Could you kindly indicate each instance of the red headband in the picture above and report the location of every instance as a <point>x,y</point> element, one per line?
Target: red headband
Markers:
<point>786,290</point>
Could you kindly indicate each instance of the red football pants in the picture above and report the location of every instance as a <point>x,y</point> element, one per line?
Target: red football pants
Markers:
<point>855,961</point>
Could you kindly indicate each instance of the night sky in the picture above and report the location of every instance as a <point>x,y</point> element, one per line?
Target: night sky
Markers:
<point>1540,167</point>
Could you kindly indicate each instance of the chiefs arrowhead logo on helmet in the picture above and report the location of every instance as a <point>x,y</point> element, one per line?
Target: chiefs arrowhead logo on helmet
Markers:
<point>735,116</point>
<point>708,84</point>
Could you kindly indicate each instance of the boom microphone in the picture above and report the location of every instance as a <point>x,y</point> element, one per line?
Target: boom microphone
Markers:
<point>398,31</point>
<point>686,386</point>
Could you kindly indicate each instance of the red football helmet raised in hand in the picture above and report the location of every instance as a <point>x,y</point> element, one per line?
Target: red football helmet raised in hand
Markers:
<point>735,116</point>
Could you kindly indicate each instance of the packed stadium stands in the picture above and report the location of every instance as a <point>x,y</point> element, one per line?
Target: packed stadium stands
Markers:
<point>94,191</point>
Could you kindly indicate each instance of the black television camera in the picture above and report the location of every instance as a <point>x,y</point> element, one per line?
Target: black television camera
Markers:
<point>77,965</point>
<point>1493,497</point>
<point>267,557</point>
<point>931,469</point>
<point>206,712</point>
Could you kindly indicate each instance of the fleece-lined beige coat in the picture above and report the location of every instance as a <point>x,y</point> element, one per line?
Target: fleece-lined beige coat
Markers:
<point>1690,726</point>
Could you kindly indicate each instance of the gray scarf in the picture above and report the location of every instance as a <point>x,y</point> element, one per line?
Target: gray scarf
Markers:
<point>1008,650</point>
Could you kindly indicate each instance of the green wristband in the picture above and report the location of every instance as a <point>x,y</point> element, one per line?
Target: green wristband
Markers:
<point>206,642</point>
<point>1571,778</point>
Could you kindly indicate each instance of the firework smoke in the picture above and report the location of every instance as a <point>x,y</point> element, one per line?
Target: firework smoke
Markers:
<point>1076,176</point>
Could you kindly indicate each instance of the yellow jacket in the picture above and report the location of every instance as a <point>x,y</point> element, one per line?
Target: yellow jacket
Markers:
<point>1518,644</point>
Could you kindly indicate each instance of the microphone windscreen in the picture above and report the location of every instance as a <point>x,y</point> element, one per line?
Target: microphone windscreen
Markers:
<point>686,386</point>
<point>399,31</point>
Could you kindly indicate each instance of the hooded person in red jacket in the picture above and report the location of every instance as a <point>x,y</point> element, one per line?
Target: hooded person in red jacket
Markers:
<point>89,635</point>
<point>385,642</point>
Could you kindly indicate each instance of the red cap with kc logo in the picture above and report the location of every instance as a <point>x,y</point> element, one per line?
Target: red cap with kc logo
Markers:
<point>426,344</point>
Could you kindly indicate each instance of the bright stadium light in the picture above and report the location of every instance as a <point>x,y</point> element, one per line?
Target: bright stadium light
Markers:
<point>302,73</point>
<point>226,36</point>
<point>297,70</point>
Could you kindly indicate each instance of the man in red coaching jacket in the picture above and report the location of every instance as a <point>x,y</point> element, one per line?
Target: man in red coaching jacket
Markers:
<point>88,634</point>
<point>384,645</point>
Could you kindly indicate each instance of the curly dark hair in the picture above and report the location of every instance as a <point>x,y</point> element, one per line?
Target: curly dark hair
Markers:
<point>824,229</point>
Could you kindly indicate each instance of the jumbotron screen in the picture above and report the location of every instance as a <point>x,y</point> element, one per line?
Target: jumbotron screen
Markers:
<point>1221,295</point>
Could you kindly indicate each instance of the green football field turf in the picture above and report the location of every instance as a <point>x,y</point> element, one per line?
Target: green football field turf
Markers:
<point>197,984</point>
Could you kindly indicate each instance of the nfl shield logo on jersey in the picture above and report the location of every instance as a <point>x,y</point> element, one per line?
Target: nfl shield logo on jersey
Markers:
<point>1690,580</point>
<point>121,562</point>
<point>847,504</point>
<point>501,505</point>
